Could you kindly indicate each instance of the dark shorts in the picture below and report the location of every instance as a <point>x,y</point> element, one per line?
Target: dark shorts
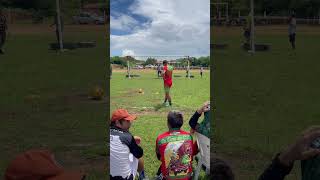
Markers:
<point>292,37</point>
<point>121,178</point>
<point>3,36</point>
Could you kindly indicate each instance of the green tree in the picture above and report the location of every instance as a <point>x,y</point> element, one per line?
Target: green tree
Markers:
<point>150,61</point>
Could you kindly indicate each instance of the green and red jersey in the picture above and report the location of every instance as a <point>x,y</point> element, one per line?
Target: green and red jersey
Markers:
<point>176,149</point>
<point>167,77</point>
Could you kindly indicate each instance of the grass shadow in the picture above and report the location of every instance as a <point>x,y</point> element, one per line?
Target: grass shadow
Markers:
<point>158,107</point>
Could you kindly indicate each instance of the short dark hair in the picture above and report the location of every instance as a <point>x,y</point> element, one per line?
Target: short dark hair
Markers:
<point>113,123</point>
<point>175,119</point>
<point>220,170</point>
<point>165,62</point>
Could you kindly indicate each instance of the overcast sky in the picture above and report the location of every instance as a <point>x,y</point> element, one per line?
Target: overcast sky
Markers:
<point>160,27</point>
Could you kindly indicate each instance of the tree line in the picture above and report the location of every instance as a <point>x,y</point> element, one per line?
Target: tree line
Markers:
<point>46,8</point>
<point>201,61</point>
<point>302,8</point>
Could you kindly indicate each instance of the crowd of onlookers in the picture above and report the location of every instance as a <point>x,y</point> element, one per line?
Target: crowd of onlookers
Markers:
<point>176,151</point>
<point>175,148</point>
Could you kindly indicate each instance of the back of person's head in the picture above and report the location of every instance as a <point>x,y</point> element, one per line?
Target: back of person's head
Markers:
<point>220,170</point>
<point>39,164</point>
<point>175,119</point>
<point>165,62</point>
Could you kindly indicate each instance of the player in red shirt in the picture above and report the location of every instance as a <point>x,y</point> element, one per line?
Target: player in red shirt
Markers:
<point>167,79</point>
<point>175,148</point>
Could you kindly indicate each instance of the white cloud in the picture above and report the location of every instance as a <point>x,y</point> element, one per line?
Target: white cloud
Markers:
<point>177,27</point>
<point>123,22</point>
<point>127,52</point>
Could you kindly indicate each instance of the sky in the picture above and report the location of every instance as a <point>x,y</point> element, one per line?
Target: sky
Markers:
<point>160,27</point>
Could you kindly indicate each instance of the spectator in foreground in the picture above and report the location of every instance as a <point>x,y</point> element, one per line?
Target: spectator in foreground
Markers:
<point>175,149</point>
<point>306,149</point>
<point>125,153</point>
<point>203,127</point>
<point>220,170</point>
<point>39,164</point>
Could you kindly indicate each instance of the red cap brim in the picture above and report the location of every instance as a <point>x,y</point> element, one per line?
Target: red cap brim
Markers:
<point>130,118</point>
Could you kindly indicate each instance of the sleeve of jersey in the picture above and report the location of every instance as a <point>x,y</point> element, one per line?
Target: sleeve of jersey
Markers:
<point>136,150</point>
<point>157,150</point>
<point>194,120</point>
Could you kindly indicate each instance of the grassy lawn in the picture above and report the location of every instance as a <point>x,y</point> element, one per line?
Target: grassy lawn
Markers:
<point>270,96</point>
<point>187,95</point>
<point>44,98</point>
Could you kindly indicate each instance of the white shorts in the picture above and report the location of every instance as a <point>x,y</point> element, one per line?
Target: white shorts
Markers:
<point>133,164</point>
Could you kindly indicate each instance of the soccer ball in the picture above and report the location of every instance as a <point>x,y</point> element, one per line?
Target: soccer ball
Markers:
<point>140,91</point>
<point>96,93</point>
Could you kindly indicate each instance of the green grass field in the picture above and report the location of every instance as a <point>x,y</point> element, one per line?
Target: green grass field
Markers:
<point>264,100</point>
<point>44,98</point>
<point>187,95</point>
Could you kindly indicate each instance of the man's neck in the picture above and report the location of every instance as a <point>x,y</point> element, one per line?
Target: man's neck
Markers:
<point>174,129</point>
<point>117,127</point>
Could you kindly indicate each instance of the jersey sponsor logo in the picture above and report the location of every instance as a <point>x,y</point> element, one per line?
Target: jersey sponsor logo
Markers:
<point>178,156</point>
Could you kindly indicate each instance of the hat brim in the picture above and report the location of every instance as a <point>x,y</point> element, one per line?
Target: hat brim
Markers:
<point>130,118</point>
<point>68,176</point>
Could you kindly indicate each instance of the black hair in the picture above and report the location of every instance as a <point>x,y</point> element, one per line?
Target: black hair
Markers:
<point>165,62</point>
<point>175,119</point>
<point>113,123</point>
<point>220,169</point>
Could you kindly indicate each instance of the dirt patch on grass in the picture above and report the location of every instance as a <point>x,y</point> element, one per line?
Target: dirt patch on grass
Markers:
<point>147,112</point>
<point>66,102</point>
<point>28,29</point>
